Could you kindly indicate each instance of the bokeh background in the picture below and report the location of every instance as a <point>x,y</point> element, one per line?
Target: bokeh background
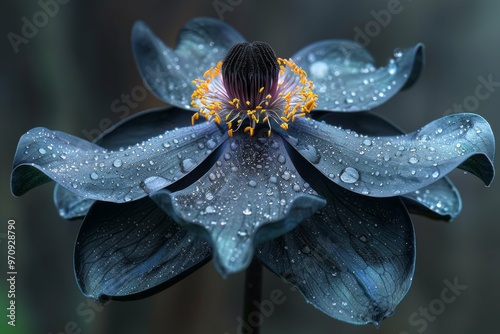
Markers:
<point>67,76</point>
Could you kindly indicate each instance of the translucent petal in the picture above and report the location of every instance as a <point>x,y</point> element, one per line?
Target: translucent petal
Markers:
<point>130,131</point>
<point>353,260</point>
<point>395,165</point>
<point>169,73</point>
<point>346,79</point>
<point>252,193</point>
<point>93,172</point>
<point>133,250</point>
<point>439,200</point>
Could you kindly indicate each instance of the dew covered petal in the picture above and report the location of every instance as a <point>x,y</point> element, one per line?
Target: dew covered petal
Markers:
<point>396,165</point>
<point>354,260</point>
<point>169,72</point>
<point>346,79</point>
<point>134,129</point>
<point>93,172</point>
<point>132,250</point>
<point>438,200</point>
<point>252,193</point>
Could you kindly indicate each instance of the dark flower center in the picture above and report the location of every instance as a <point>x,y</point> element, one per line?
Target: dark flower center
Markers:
<point>250,73</point>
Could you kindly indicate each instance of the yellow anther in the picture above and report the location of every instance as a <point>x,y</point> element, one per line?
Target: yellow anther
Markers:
<point>261,89</point>
<point>194,118</point>
<point>230,132</point>
<point>247,103</point>
<point>284,126</point>
<point>250,130</point>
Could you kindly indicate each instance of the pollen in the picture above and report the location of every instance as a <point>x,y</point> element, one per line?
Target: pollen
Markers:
<point>258,97</point>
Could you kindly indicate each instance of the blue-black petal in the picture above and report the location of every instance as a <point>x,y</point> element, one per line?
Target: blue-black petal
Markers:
<point>354,260</point>
<point>132,250</point>
<point>346,79</point>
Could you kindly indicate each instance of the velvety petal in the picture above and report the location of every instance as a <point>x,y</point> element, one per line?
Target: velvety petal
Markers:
<point>353,260</point>
<point>133,250</point>
<point>253,193</point>
<point>93,172</point>
<point>346,79</point>
<point>202,43</point>
<point>439,200</point>
<point>395,165</point>
<point>130,131</point>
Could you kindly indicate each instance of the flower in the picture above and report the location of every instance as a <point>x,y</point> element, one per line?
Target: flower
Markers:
<point>283,170</point>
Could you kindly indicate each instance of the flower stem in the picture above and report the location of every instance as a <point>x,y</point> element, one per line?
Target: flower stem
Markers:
<point>253,294</point>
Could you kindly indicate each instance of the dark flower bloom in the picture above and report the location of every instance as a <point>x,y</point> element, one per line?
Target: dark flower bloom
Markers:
<point>282,170</point>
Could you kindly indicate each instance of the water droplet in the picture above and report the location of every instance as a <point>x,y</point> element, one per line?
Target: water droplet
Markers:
<point>211,144</point>
<point>154,183</point>
<point>310,153</point>
<point>247,212</point>
<point>94,176</point>
<point>435,174</point>
<point>306,250</point>
<point>42,151</point>
<point>252,183</point>
<point>227,156</point>
<point>117,163</point>
<point>367,142</point>
<point>363,238</point>
<point>413,160</point>
<point>212,177</point>
<point>209,196</point>
<point>166,145</point>
<point>273,179</point>
<point>285,175</point>
<point>349,175</point>
<point>242,233</point>
<point>393,68</point>
<point>233,145</point>
<point>281,159</point>
<point>296,187</point>
<point>187,165</point>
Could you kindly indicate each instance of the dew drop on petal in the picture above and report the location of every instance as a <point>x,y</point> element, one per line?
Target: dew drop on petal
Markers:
<point>413,160</point>
<point>153,183</point>
<point>435,174</point>
<point>281,159</point>
<point>117,163</point>
<point>349,175</point>
<point>211,144</point>
<point>252,183</point>
<point>187,165</point>
<point>310,153</point>
<point>42,151</point>
<point>94,176</point>
<point>247,212</point>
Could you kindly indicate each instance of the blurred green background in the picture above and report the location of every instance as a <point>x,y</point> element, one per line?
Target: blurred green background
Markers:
<point>68,74</point>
